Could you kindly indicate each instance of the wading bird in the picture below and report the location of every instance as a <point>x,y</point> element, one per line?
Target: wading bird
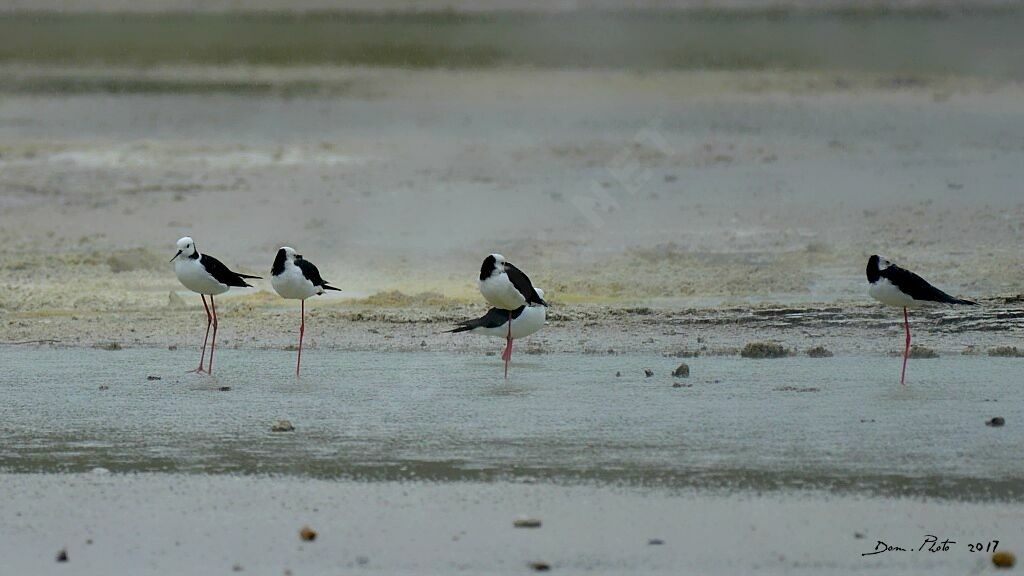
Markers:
<point>507,288</point>
<point>297,279</point>
<point>526,320</point>
<point>207,276</point>
<point>894,286</point>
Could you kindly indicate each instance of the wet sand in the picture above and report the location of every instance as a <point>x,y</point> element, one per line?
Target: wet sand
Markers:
<point>159,524</point>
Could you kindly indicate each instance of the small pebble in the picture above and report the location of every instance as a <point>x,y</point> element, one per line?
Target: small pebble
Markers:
<point>172,347</point>
<point>618,374</point>
<point>307,534</point>
<point>858,535</point>
<point>540,566</point>
<point>1003,559</point>
<point>104,387</point>
<point>648,372</point>
<point>236,568</point>
<point>224,388</point>
<point>996,422</point>
<point>151,378</point>
<point>682,371</point>
<point>62,556</point>
<point>282,426</point>
<point>526,523</point>
<point>655,542</point>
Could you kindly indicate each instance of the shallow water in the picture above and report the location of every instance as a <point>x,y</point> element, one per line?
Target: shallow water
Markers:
<point>840,424</point>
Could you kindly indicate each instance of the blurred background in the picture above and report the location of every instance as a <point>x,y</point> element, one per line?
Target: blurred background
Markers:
<point>677,152</point>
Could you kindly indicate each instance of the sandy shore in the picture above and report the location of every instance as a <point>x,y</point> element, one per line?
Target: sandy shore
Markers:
<point>159,524</point>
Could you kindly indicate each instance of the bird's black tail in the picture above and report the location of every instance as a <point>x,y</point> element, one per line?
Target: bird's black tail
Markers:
<point>463,328</point>
<point>248,276</point>
<point>329,287</point>
<point>961,301</point>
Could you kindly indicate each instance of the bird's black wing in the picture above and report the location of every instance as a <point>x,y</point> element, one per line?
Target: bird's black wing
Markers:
<point>918,288</point>
<point>522,283</point>
<point>312,274</point>
<point>222,274</point>
<point>495,318</point>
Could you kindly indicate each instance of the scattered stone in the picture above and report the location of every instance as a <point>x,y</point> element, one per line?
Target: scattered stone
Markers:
<point>648,372</point>
<point>819,352</point>
<point>655,542</point>
<point>682,371</point>
<point>681,385</point>
<point>152,378</point>
<point>237,568</point>
<point>684,353</point>
<point>1005,352</point>
<point>858,535</point>
<point>764,350</point>
<point>526,523</point>
<point>62,556</point>
<point>1003,559</point>
<point>922,352</point>
<point>172,347</point>
<point>104,387</point>
<point>995,422</point>
<point>362,560</point>
<point>540,566</point>
<point>618,374</point>
<point>225,388</point>
<point>611,351</point>
<point>112,346</point>
<point>89,541</point>
<point>423,343</point>
<point>307,534</point>
<point>970,350</point>
<point>282,426</point>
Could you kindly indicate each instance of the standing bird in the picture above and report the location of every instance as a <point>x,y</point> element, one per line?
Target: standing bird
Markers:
<point>297,279</point>
<point>207,276</point>
<point>526,320</point>
<point>894,286</point>
<point>507,288</point>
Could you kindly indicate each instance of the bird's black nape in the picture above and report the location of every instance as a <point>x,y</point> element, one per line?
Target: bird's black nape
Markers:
<point>278,266</point>
<point>872,270</point>
<point>487,268</point>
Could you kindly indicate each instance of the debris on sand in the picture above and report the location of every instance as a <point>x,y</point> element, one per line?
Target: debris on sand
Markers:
<point>172,347</point>
<point>921,352</point>
<point>681,385</point>
<point>1003,559</point>
<point>526,523</point>
<point>682,371</point>
<point>540,566</point>
<point>62,556</point>
<point>152,378</point>
<point>995,422</point>
<point>112,346</point>
<point>655,542</point>
<point>648,372</point>
<point>764,350</point>
<point>175,301</point>
<point>307,534</point>
<point>618,374</point>
<point>797,389</point>
<point>282,426</point>
<point>224,389</point>
<point>819,352</point>
<point>685,353</point>
<point>104,387</point>
<point>1005,352</point>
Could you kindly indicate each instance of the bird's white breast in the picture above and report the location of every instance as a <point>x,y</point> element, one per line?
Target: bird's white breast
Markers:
<point>529,322</point>
<point>887,293</point>
<point>499,292</point>
<point>193,276</point>
<point>290,283</point>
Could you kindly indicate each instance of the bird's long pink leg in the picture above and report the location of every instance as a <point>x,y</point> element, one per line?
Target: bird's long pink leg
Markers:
<point>209,320</point>
<point>507,354</point>
<point>302,331</point>
<point>213,343</point>
<point>906,348</point>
